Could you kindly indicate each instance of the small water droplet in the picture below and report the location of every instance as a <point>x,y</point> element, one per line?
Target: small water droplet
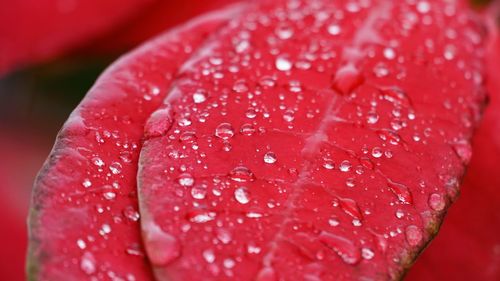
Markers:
<point>334,29</point>
<point>437,202</point>
<point>345,166</point>
<point>464,151</point>
<point>401,191</point>
<point>414,235</point>
<point>241,174</point>
<point>115,168</point>
<point>283,64</point>
<point>185,179</point>
<point>199,97</point>
<point>209,256</point>
<point>270,158</point>
<point>224,131</point>
<point>199,191</point>
<point>241,195</point>
<point>87,263</point>
<point>367,253</point>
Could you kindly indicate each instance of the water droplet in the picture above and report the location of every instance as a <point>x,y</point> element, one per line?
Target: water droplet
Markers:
<point>283,64</point>
<point>224,131</point>
<point>334,29</point>
<point>115,168</point>
<point>464,151</point>
<point>377,152</point>
<point>131,214</point>
<point>86,183</point>
<point>401,191</point>
<point>81,244</point>
<point>87,263</point>
<point>350,207</point>
<point>414,235</point>
<point>367,253</point>
<point>389,53</point>
<point>199,97</point>
<point>241,174</point>
<point>185,179</point>
<point>423,7</point>
<point>202,217</point>
<point>241,195</point>
<point>270,158</point>
<point>437,202</point>
<point>333,222</point>
<point>344,247</point>
<point>162,247</point>
<point>345,166</point>
<point>209,256</point>
<point>199,191</point>
<point>328,164</point>
<point>247,129</point>
<point>284,32</point>
<point>347,79</point>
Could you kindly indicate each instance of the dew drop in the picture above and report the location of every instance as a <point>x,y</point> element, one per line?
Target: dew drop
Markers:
<point>283,64</point>
<point>185,179</point>
<point>345,166</point>
<point>334,29</point>
<point>87,263</point>
<point>247,129</point>
<point>270,158</point>
<point>241,174</point>
<point>437,202</point>
<point>347,79</point>
<point>224,131</point>
<point>367,253</point>
<point>199,97</point>
<point>199,192</point>
<point>401,191</point>
<point>414,235</point>
<point>241,195</point>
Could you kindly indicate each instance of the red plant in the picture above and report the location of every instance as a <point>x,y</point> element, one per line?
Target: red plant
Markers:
<point>321,140</point>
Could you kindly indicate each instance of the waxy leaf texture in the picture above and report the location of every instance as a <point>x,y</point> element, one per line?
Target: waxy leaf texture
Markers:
<point>318,140</point>
<point>285,140</point>
<point>84,218</point>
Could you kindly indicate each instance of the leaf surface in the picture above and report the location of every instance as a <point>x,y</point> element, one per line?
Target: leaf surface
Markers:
<point>312,140</point>
<point>84,217</point>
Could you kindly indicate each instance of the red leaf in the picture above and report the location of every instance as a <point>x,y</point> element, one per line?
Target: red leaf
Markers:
<point>84,211</point>
<point>467,247</point>
<point>313,140</point>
